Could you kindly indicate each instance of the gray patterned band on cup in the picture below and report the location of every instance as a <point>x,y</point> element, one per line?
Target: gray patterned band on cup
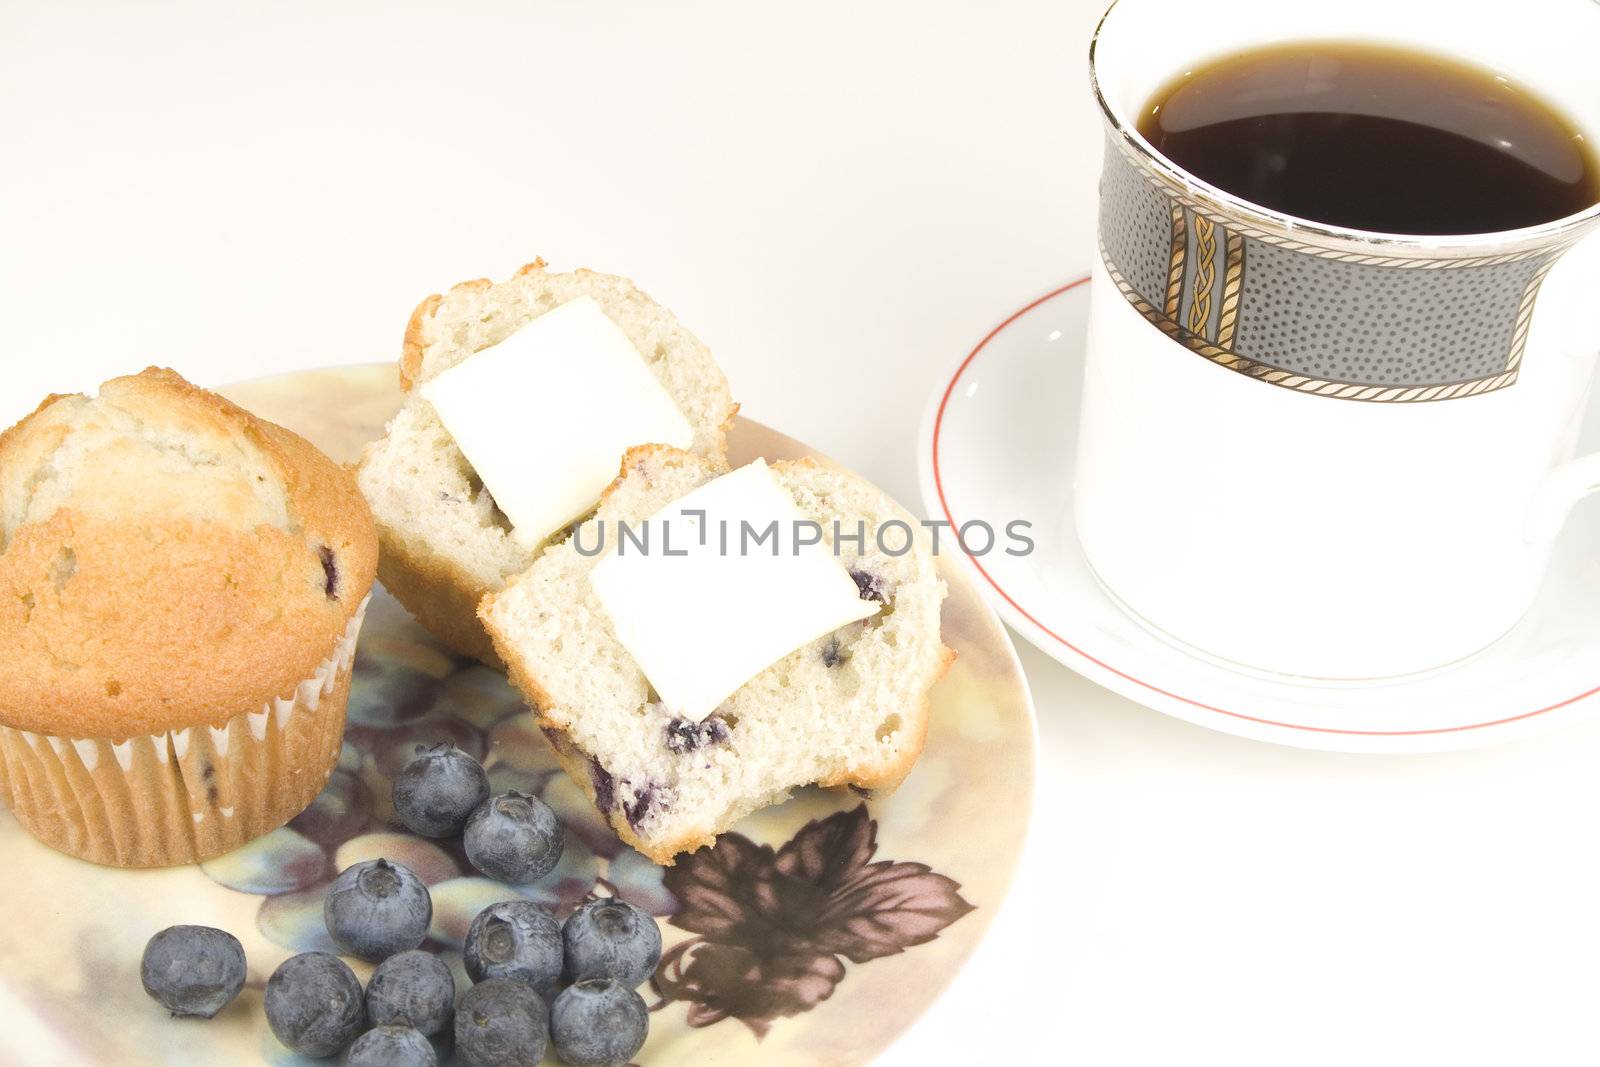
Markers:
<point>1320,320</point>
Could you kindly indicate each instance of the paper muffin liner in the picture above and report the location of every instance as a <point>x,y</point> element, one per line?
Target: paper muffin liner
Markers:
<point>184,795</point>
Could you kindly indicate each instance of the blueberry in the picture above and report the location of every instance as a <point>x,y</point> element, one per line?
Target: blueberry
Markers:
<point>644,803</point>
<point>501,1023</point>
<point>377,908</point>
<point>611,938</point>
<point>438,790</point>
<point>514,837</point>
<point>330,572</point>
<point>314,1004</point>
<point>870,586</point>
<point>391,1046</point>
<point>832,653</point>
<point>685,736</point>
<point>193,970</point>
<point>605,787</point>
<point>515,939</point>
<point>598,1023</point>
<point>413,989</point>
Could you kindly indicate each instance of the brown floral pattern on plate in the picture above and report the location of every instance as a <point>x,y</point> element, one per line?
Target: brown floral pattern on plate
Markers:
<point>773,924</point>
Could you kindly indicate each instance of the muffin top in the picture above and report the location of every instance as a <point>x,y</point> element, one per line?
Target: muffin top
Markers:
<point>167,560</point>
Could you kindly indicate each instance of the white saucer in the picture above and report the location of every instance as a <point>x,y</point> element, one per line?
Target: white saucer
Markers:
<point>997,444</point>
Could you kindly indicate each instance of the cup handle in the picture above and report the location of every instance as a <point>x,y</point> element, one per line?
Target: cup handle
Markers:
<point>1566,300</point>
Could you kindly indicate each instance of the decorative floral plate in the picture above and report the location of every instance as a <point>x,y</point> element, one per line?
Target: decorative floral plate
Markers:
<point>812,936</point>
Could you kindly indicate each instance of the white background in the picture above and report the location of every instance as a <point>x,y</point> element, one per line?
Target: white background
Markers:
<point>840,198</point>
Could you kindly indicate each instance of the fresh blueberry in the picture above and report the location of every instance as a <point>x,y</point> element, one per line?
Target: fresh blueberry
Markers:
<point>611,938</point>
<point>514,837</point>
<point>439,789</point>
<point>314,1004</point>
<point>193,970</point>
<point>501,1023</point>
<point>377,908</point>
<point>515,939</point>
<point>413,989</point>
<point>391,1046</point>
<point>598,1023</point>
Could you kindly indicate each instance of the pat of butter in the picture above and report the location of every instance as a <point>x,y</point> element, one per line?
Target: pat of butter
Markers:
<point>545,415</point>
<point>701,617</point>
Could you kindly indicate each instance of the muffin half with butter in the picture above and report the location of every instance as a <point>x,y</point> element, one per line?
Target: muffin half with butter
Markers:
<point>521,398</point>
<point>181,585</point>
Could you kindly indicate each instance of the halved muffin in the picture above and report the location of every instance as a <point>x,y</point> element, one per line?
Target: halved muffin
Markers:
<point>848,708</point>
<point>446,544</point>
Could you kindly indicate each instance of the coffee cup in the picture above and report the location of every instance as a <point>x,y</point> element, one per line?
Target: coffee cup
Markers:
<point>1245,484</point>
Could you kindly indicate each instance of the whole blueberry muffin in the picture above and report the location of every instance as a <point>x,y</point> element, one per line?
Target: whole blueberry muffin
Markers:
<point>181,585</point>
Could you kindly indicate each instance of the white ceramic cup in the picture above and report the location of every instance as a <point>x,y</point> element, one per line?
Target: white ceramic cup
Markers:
<point>1294,510</point>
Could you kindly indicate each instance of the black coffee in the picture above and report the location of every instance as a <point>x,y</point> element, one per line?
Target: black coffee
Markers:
<point>1374,138</point>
